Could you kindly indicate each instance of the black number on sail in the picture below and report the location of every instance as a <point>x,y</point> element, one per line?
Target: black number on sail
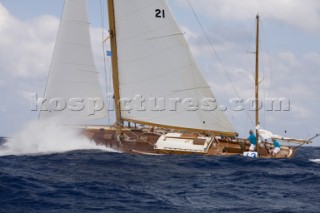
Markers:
<point>160,13</point>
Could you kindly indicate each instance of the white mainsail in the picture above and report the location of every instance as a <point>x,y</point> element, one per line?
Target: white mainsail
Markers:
<point>155,62</point>
<point>73,91</point>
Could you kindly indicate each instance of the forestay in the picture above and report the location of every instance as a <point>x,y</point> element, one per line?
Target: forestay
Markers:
<point>156,63</point>
<point>73,91</point>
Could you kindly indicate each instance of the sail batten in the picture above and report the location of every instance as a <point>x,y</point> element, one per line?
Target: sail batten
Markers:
<point>154,62</point>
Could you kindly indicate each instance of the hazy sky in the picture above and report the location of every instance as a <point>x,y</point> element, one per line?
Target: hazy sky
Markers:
<point>290,50</point>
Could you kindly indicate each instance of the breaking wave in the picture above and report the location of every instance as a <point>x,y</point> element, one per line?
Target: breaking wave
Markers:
<point>315,160</point>
<point>47,137</point>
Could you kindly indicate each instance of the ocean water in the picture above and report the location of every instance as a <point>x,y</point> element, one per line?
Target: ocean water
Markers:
<point>103,181</point>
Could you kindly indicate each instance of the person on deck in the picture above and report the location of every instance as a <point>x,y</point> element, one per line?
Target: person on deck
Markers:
<point>235,137</point>
<point>276,149</point>
<point>253,141</point>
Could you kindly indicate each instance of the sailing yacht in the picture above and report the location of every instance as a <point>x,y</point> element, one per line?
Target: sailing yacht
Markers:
<point>163,104</point>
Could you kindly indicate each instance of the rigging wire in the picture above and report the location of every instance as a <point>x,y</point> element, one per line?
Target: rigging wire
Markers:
<point>102,14</point>
<point>217,56</point>
<point>251,63</point>
<point>276,89</point>
<point>271,73</point>
<point>270,89</point>
<point>250,50</point>
<point>249,53</point>
<point>271,86</point>
<point>269,61</point>
<point>263,72</point>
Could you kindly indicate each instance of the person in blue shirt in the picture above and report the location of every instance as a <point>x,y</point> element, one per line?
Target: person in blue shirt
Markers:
<point>276,145</point>
<point>253,141</point>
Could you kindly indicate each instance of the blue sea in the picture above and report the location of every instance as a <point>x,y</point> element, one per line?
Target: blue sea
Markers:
<point>101,181</point>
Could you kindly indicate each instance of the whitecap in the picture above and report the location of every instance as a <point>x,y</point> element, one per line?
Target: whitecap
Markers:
<point>47,137</point>
<point>315,160</point>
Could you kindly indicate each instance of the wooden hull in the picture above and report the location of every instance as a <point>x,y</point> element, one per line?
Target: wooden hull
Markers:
<point>142,141</point>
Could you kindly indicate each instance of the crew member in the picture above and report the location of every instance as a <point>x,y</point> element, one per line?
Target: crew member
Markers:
<point>253,141</point>
<point>276,148</point>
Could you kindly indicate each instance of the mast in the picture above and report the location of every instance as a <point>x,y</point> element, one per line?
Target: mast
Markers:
<point>114,59</point>
<point>257,79</point>
<point>145,65</point>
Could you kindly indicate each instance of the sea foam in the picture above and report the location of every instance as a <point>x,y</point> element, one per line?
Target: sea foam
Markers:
<point>315,160</point>
<point>47,137</point>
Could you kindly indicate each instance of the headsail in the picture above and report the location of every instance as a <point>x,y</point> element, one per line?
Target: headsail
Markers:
<point>155,63</point>
<point>73,91</point>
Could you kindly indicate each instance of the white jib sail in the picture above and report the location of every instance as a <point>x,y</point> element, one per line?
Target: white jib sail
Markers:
<point>156,65</point>
<point>73,91</point>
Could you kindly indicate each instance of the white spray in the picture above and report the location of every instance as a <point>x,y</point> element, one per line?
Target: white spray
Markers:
<point>315,160</point>
<point>46,137</point>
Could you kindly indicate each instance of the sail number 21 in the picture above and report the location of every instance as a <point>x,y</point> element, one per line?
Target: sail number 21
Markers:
<point>160,13</point>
